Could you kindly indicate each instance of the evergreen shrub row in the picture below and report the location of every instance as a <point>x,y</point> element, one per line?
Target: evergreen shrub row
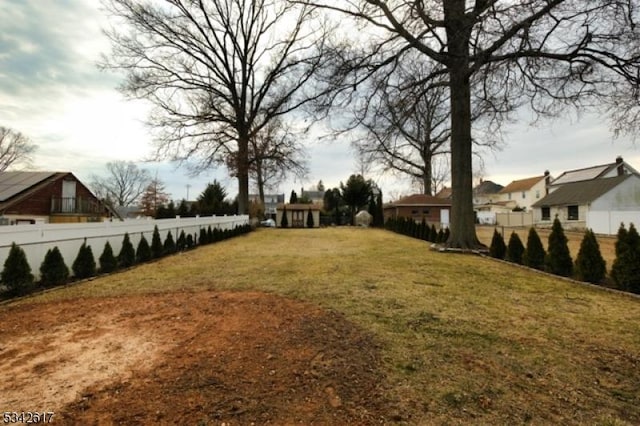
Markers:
<point>421,231</point>
<point>16,275</point>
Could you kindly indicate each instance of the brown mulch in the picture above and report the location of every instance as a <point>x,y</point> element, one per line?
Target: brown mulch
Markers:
<point>189,358</point>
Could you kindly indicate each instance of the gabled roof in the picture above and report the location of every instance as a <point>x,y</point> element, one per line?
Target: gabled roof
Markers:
<point>589,173</point>
<point>578,193</point>
<point>420,200</point>
<point>521,185</point>
<point>487,187</point>
<point>14,183</point>
<point>444,193</point>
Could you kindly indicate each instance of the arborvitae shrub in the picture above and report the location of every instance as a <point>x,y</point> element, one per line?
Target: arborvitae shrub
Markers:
<point>189,241</point>
<point>558,260</point>
<point>590,265</point>
<point>433,234</point>
<point>497,249</point>
<point>169,245</point>
<point>127,255</point>
<point>16,275</point>
<point>157,249</point>
<point>626,267</point>
<point>440,236</point>
<point>202,239</point>
<point>53,270</point>
<point>143,252</point>
<point>310,222</point>
<point>217,236</point>
<point>85,265</point>
<point>108,262</point>
<point>515,249</point>
<point>284,222</point>
<point>181,244</point>
<point>534,254</point>
<point>445,236</point>
<point>210,235</point>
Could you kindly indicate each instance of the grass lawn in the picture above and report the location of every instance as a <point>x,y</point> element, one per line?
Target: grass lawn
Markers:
<point>464,339</point>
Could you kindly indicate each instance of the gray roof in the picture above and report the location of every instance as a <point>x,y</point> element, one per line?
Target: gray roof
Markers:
<point>578,193</point>
<point>13,183</point>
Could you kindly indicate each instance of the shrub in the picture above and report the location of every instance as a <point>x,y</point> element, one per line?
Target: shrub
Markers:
<point>203,238</point>
<point>16,274</point>
<point>440,237</point>
<point>433,234</point>
<point>143,252</point>
<point>515,249</point>
<point>625,270</point>
<point>108,262</point>
<point>210,235</point>
<point>157,249</point>
<point>169,245</point>
<point>127,255</point>
<point>181,244</point>
<point>53,270</point>
<point>534,254</point>
<point>590,266</point>
<point>189,241</point>
<point>445,236</point>
<point>558,260</point>
<point>497,249</point>
<point>85,265</point>
<point>310,222</point>
<point>284,222</point>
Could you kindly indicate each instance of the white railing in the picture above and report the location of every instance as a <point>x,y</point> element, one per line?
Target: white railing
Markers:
<point>36,239</point>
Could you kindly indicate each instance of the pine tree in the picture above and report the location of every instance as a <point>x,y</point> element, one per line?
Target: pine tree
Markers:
<point>189,242</point>
<point>498,249</point>
<point>440,237</point>
<point>127,255</point>
<point>534,254</point>
<point>433,234</point>
<point>210,235</point>
<point>16,275</point>
<point>590,265</point>
<point>284,222</point>
<point>108,262</point>
<point>626,267</point>
<point>143,252</point>
<point>53,270</point>
<point>85,265</point>
<point>310,223</point>
<point>181,244</point>
<point>515,249</point>
<point>202,239</point>
<point>558,260</point>
<point>157,249</point>
<point>169,245</point>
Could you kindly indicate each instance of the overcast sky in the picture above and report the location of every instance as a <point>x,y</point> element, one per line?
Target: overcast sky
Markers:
<point>52,91</point>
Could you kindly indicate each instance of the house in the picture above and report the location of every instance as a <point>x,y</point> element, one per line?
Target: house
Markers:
<point>297,214</point>
<point>271,202</point>
<point>445,193</point>
<point>432,209</point>
<point>618,168</point>
<point>521,194</point>
<point>600,203</point>
<point>486,192</point>
<point>50,197</point>
<point>316,197</point>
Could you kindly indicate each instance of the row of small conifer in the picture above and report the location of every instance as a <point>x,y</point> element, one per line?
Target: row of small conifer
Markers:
<point>17,277</point>
<point>421,231</point>
<point>589,265</point>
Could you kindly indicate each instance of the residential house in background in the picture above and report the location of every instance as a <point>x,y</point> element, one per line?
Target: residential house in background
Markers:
<point>521,194</point>
<point>618,168</point>
<point>445,192</point>
<point>432,209</point>
<point>48,197</point>
<point>316,197</point>
<point>271,202</point>
<point>599,204</point>
<point>297,214</point>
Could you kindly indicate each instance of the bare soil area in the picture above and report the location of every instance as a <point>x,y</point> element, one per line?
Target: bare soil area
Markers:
<point>189,358</point>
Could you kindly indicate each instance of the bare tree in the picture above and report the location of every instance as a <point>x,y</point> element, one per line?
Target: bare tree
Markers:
<point>15,148</point>
<point>153,197</point>
<point>275,153</point>
<point>124,184</point>
<point>217,72</point>
<point>551,53</point>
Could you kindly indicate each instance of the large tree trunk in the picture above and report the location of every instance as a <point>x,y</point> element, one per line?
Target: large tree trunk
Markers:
<point>463,231</point>
<point>243,175</point>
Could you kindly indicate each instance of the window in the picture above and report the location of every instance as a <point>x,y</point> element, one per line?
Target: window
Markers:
<point>414,212</point>
<point>524,195</point>
<point>537,193</point>
<point>425,211</point>
<point>572,212</point>
<point>546,213</point>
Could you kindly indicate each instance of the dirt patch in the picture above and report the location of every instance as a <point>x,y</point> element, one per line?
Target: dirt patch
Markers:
<point>189,358</point>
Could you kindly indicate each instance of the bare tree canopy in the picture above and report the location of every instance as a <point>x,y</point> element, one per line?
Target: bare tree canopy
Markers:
<point>15,148</point>
<point>549,53</point>
<point>217,72</point>
<point>123,185</point>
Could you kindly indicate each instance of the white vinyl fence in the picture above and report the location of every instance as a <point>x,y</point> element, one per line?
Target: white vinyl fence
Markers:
<point>36,239</point>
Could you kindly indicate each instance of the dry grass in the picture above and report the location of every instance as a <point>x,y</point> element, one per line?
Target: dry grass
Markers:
<point>465,339</point>
<point>606,242</point>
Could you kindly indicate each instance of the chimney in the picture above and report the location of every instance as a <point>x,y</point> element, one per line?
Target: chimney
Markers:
<point>547,181</point>
<point>620,165</point>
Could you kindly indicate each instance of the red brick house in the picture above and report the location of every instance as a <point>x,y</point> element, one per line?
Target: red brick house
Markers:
<point>50,197</point>
<point>434,210</point>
